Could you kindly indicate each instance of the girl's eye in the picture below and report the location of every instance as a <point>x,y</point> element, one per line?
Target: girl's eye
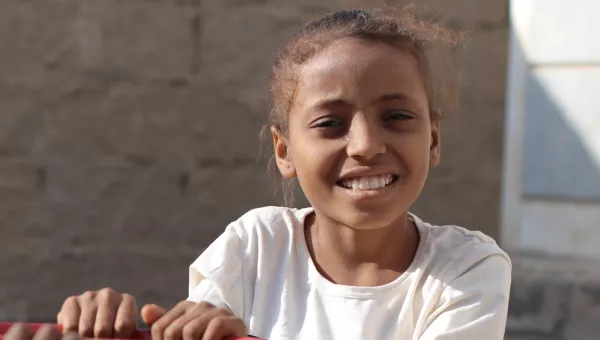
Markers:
<point>398,115</point>
<point>327,123</point>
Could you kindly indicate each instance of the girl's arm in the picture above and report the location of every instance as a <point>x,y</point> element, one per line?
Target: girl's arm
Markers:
<point>475,305</point>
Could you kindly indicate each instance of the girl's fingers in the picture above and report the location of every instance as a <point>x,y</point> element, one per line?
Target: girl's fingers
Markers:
<point>87,318</point>
<point>107,301</point>
<point>194,330</point>
<point>125,323</point>
<point>159,327</point>
<point>200,310</point>
<point>68,317</point>
<point>221,327</point>
<point>71,336</point>
<point>102,314</point>
<point>151,313</point>
<point>19,332</point>
<point>47,332</point>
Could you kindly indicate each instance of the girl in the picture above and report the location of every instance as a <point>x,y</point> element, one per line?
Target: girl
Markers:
<point>355,121</point>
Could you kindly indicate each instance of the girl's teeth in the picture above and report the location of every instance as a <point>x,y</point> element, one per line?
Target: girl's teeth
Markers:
<point>364,184</point>
<point>368,183</point>
<point>374,182</point>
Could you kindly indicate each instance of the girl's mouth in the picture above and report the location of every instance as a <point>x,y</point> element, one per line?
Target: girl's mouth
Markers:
<point>368,182</point>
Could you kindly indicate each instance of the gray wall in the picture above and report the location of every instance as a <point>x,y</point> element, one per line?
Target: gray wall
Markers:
<point>129,137</point>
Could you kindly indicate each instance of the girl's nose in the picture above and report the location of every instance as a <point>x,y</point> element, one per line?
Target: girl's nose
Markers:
<point>365,140</point>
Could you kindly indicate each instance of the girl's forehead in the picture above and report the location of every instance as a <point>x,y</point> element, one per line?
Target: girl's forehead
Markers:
<point>354,68</point>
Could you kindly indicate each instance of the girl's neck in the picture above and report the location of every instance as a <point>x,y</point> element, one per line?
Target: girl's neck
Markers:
<point>361,257</point>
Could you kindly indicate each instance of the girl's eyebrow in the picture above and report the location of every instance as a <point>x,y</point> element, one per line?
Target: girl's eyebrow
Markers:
<point>398,96</point>
<point>333,101</point>
<point>392,96</point>
<point>329,102</point>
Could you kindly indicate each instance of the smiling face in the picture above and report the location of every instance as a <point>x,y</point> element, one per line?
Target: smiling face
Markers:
<point>360,138</point>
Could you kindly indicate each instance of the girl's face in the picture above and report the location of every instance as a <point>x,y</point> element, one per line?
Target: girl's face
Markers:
<point>361,140</point>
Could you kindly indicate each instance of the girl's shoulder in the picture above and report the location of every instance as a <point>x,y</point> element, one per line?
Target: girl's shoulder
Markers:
<point>455,250</point>
<point>260,237</point>
<point>452,234</point>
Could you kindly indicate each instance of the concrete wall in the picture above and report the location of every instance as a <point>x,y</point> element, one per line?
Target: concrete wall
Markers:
<point>551,200</point>
<point>552,183</point>
<point>129,137</point>
<point>554,298</point>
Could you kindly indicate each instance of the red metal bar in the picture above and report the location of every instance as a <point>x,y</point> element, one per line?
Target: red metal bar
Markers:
<point>140,334</point>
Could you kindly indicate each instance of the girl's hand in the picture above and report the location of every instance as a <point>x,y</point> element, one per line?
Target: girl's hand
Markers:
<point>192,321</point>
<point>47,332</point>
<point>100,314</point>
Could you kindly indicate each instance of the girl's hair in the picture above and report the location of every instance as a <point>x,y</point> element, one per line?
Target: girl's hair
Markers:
<point>397,28</point>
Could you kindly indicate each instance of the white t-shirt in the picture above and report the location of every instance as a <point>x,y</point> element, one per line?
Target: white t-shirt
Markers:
<point>260,268</point>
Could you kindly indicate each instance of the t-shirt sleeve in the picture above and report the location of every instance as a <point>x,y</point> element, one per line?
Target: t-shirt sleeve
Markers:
<point>217,275</point>
<point>474,306</point>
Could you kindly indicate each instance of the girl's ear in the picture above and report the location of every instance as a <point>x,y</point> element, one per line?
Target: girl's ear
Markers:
<point>434,149</point>
<point>283,156</point>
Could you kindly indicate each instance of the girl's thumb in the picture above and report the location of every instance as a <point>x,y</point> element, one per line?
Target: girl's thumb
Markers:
<point>151,313</point>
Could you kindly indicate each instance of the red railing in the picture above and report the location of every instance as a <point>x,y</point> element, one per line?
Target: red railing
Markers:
<point>140,334</point>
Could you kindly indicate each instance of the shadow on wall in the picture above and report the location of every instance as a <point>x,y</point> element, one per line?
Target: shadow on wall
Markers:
<point>557,160</point>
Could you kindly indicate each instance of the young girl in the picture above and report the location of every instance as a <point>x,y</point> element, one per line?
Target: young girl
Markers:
<point>355,121</point>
